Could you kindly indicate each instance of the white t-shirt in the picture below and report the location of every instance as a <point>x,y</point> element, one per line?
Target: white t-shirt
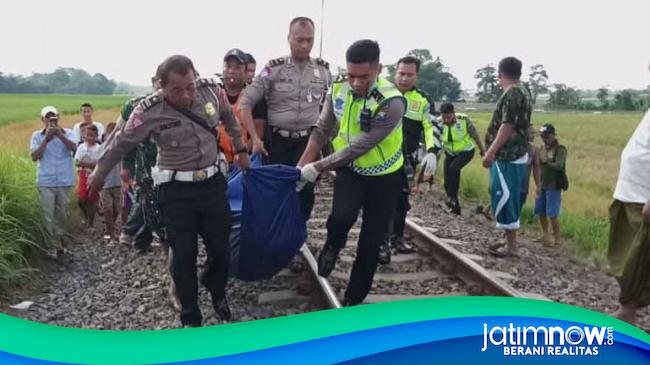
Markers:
<point>86,153</point>
<point>76,129</point>
<point>633,185</point>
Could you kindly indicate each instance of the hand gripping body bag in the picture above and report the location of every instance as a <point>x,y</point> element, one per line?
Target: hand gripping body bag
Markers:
<point>268,229</point>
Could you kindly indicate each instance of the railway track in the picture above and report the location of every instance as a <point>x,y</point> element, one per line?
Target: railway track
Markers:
<point>436,269</point>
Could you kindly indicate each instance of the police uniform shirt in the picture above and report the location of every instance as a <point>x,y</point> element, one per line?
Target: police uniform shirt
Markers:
<point>293,94</point>
<point>183,145</point>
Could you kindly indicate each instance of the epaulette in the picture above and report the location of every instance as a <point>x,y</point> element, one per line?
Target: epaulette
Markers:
<point>377,95</point>
<point>341,78</point>
<point>322,62</point>
<point>219,80</point>
<point>203,82</point>
<point>150,101</point>
<point>278,61</point>
<point>137,99</point>
<point>423,93</point>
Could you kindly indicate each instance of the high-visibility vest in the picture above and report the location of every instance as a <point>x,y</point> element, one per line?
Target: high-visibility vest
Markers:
<point>418,110</point>
<point>456,138</point>
<point>387,156</point>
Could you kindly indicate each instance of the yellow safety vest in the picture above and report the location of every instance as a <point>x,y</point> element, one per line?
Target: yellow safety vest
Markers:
<point>456,138</point>
<point>386,157</point>
<point>417,110</point>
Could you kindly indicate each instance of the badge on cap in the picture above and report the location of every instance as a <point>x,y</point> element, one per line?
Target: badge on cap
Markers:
<point>210,110</point>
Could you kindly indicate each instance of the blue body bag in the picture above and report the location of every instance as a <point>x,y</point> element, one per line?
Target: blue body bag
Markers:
<point>267,225</point>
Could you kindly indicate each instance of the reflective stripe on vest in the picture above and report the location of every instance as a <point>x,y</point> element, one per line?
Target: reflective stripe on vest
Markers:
<point>460,138</point>
<point>384,158</point>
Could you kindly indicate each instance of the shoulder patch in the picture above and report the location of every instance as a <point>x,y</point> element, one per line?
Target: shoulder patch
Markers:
<point>205,82</point>
<point>278,61</point>
<point>150,101</point>
<point>322,62</point>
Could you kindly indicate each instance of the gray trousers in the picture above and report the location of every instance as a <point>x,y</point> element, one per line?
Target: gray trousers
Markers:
<point>54,205</point>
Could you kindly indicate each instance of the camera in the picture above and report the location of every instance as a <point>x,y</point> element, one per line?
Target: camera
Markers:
<point>365,120</point>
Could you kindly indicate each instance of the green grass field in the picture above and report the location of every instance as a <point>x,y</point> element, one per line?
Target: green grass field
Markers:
<point>594,143</point>
<point>20,228</point>
<point>21,107</point>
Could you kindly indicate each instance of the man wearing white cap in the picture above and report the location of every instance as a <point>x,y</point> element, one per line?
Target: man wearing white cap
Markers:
<point>52,148</point>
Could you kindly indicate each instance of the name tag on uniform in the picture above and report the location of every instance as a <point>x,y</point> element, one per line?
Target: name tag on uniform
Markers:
<point>415,106</point>
<point>169,125</point>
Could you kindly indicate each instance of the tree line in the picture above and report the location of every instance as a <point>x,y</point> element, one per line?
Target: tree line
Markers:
<point>63,80</point>
<point>561,96</point>
<point>434,78</point>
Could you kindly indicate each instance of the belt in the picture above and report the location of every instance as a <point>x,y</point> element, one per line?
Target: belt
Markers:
<point>292,134</point>
<point>198,175</point>
<point>161,176</point>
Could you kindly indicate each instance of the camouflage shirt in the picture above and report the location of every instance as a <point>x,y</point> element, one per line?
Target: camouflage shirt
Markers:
<point>512,108</point>
<point>143,157</point>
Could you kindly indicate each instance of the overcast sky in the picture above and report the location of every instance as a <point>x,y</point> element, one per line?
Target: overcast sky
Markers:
<point>582,43</point>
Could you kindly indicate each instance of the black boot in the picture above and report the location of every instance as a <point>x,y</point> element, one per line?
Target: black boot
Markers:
<point>401,246</point>
<point>384,253</point>
<point>222,309</point>
<point>327,260</point>
<point>455,206</point>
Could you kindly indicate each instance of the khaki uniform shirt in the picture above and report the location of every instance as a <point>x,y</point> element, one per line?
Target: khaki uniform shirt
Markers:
<point>183,145</point>
<point>294,96</point>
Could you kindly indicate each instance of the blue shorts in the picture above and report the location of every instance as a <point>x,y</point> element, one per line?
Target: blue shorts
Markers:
<point>548,203</point>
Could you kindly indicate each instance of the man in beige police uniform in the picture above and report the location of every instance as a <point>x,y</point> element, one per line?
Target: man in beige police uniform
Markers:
<point>295,88</point>
<point>182,118</point>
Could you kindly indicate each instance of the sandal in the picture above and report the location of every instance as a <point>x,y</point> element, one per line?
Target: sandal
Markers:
<point>504,253</point>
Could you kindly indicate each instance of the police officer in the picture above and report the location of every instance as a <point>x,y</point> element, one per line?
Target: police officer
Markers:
<point>181,119</point>
<point>294,88</point>
<point>418,120</point>
<point>459,140</point>
<point>368,159</point>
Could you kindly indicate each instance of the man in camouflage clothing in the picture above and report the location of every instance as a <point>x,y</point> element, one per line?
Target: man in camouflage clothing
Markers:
<point>134,167</point>
<point>507,153</point>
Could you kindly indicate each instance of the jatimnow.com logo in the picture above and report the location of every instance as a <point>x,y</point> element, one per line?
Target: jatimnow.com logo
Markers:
<point>547,340</point>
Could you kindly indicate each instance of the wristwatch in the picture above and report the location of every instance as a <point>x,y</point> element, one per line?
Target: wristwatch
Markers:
<point>241,150</point>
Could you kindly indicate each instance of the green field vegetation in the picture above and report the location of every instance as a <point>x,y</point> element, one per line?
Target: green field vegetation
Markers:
<point>21,107</point>
<point>20,229</point>
<point>594,143</point>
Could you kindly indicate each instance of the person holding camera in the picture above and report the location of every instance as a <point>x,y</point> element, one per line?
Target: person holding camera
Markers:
<point>552,159</point>
<point>368,159</point>
<point>52,148</point>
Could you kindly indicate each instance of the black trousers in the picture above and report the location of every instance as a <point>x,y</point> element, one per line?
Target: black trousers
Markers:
<point>402,207</point>
<point>376,195</point>
<point>287,151</point>
<point>197,208</point>
<point>452,167</point>
<point>136,226</point>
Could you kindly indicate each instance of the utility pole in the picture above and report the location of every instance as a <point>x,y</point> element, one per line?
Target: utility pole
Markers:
<point>322,26</point>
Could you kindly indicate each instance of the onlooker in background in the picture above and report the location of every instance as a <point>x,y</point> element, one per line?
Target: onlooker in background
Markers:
<point>552,159</point>
<point>532,166</point>
<point>234,82</point>
<point>507,152</point>
<point>459,140</point>
<point>111,196</point>
<point>629,237</point>
<point>85,158</point>
<point>52,147</point>
<point>87,114</point>
<point>251,65</point>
